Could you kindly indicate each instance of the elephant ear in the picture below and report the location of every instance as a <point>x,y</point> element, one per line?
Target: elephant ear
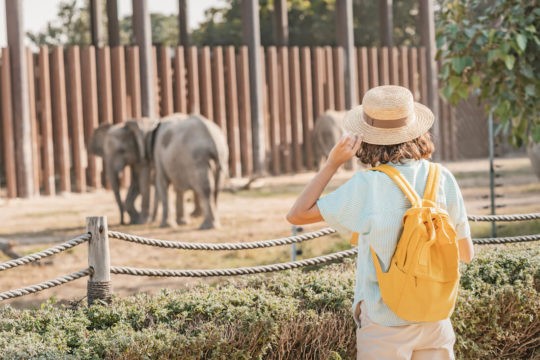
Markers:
<point>95,145</point>
<point>139,129</point>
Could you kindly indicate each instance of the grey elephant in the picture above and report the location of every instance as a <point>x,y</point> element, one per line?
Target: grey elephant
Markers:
<point>192,154</point>
<point>326,133</point>
<point>123,145</point>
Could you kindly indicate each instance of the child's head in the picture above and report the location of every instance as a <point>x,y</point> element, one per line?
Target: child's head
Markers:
<point>392,125</point>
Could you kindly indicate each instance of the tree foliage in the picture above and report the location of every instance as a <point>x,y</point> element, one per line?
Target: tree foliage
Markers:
<point>310,23</point>
<point>491,48</point>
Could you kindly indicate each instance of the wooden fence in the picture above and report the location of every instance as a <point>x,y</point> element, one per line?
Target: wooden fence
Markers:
<point>74,89</point>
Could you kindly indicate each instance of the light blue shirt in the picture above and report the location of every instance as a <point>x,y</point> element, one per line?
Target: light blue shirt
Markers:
<point>372,205</point>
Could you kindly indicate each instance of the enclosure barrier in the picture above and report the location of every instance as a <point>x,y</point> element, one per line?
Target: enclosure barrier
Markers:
<point>99,269</point>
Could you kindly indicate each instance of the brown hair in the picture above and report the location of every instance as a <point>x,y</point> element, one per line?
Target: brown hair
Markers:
<point>420,148</point>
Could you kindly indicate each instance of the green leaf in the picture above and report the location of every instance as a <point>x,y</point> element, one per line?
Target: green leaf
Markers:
<point>521,40</point>
<point>509,61</point>
<point>460,63</point>
<point>493,55</point>
<point>530,90</point>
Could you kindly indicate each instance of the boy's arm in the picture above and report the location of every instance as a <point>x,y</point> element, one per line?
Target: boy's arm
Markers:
<point>305,209</point>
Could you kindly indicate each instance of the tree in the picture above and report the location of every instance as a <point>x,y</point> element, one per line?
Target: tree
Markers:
<point>311,23</point>
<point>71,27</point>
<point>490,48</point>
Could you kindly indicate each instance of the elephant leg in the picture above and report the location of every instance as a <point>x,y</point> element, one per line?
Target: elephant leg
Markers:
<point>205,192</point>
<point>180,216</point>
<point>162,187</point>
<point>198,211</point>
<point>131,195</point>
<point>155,203</point>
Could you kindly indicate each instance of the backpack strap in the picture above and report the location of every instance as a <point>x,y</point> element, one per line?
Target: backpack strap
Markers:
<point>432,183</point>
<point>401,182</point>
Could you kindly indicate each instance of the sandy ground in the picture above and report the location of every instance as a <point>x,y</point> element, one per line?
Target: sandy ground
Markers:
<point>250,215</point>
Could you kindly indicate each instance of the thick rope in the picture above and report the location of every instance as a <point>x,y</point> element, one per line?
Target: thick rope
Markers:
<point>45,253</point>
<point>98,290</point>
<point>231,272</point>
<point>505,240</point>
<point>220,246</point>
<point>44,285</point>
<point>516,217</point>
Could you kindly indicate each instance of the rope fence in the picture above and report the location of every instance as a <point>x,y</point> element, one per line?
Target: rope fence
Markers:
<point>99,269</point>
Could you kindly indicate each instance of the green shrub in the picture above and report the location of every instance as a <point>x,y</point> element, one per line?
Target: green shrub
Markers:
<point>301,314</point>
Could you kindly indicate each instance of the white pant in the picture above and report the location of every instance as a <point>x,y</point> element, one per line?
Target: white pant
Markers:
<point>429,341</point>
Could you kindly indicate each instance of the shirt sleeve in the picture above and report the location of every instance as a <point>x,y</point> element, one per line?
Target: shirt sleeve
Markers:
<point>456,207</point>
<point>344,209</point>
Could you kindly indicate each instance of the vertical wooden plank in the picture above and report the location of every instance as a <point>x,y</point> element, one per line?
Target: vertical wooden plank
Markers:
<point>165,77</point>
<point>244,112</point>
<point>329,84</point>
<point>339,78</point>
<point>118,84</point>
<point>307,105</point>
<point>76,118</point>
<point>119,96</point>
<point>207,108</point>
<point>155,83</point>
<point>318,82</point>
<point>46,122</point>
<point>384,68</point>
<point>232,112</point>
<point>404,67</point>
<point>373,68</point>
<point>394,66</point>
<point>133,82</point>
<point>219,89</point>
<point>36,160</point>
<point>284,110</point>
<point>363,72</point>
<point>423,76</point>
<point>296,108</point>
<point>413,73</point>
<point>104,85</point>
<point>90,112</point>
<point>265,108</point>
<point>7,125</point>
<point>60,121</point>
<point>273,101</point>
<point>193,81</point>
<point>180,94</point>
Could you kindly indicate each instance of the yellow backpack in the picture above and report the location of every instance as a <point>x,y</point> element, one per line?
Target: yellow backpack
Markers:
<point>422,281</point>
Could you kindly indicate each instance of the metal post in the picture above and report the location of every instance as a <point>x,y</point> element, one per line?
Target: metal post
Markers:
<point>183,25</point>
<point>492,172</point>
<point>252,38</point>
<point>345,39</point>
<point>294,251</point>
<point>99,285</point>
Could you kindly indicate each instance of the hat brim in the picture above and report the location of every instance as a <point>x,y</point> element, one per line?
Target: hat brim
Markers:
<point>354,123</point>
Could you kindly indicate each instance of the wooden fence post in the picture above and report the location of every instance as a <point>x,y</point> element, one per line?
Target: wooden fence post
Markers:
<point>99,285</point>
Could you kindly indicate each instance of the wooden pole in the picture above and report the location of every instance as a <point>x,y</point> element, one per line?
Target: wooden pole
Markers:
<point>96,22</point>
<point>143,39</point>
<point>20,101</point>
<point>345,39</point>
<point>427,32</point>
<point>113,26</point>
<point>386,19</point>
<point>99,284</point>
<point>183,23</point>
<point>252,38</point>
<point>281,22</point>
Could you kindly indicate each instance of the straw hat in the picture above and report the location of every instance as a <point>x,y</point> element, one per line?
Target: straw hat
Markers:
<point>388,115</point>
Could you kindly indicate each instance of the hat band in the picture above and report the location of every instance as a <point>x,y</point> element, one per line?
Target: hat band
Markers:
<point>386,124</point>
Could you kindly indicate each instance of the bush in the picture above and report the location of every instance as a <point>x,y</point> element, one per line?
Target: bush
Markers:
<point>289,315</point>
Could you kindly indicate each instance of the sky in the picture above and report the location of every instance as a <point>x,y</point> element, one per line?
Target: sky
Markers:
<point>36,13</point>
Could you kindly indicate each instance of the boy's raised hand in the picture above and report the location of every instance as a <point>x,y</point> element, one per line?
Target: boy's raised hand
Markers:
<point>344,150</point>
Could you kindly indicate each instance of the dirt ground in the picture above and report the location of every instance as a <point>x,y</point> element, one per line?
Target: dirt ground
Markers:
<point>249,215</point>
